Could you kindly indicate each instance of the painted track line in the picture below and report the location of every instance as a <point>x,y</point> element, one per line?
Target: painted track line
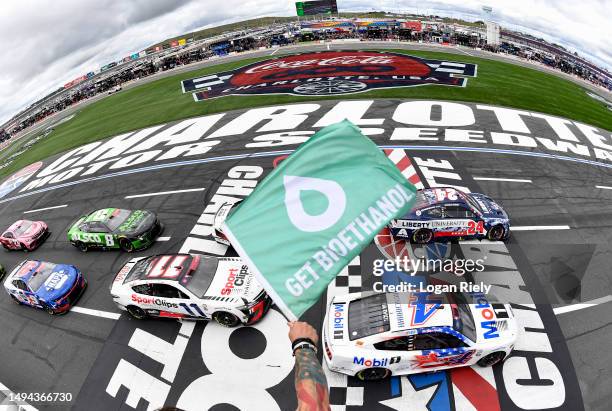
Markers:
<point>539,227</point>
<point>163,193</point>
<point>96,313</point>
<point>509,180</point>
<point>46,208</point>
<point>163,239</point>
<point>580,306</point>
<point>604,187</point>
<point>274,52</point>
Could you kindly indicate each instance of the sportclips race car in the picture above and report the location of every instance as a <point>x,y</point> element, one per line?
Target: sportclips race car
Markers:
<point>190,287</point>
<point>378,335</point>
<point>24,235</point>
<point>112,228</point>
<point>53,287</point>
<point>444,213</point>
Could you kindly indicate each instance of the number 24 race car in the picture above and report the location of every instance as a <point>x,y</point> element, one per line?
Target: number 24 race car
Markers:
<point>378,335</point>
<point>52,287</point>
<point>112,228</point>
<point>190,287</point>
<point>445,213</point>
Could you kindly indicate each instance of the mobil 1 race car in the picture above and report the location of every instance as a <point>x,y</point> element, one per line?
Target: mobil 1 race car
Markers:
<point>52,287</point>
<point>222,214</point>
<point>112,228</point>
<point>446,213</point>
<point>24,235</point>
<point>189,286</point>
<point>377,335</point>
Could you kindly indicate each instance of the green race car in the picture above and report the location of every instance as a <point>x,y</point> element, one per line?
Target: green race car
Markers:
<point>111,228</point>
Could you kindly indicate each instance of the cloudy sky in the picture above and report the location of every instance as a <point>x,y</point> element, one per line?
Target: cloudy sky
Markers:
<point>47,43</point>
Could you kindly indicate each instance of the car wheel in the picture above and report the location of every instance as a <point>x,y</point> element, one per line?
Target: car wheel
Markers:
<point>82,247</point>
<point>15,300</point>
<point>49,310</point>
<point>422,236</point>
<point>496,233</point>
<point>491,359</point>
<point>23,247</point>
<point>226,319</point>
<point>136,312</point>
<point>126,245</point>
<point>373,374</point>
<point>6,247</point>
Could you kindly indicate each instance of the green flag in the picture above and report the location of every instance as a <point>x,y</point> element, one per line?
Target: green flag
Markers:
<point>315,212</point>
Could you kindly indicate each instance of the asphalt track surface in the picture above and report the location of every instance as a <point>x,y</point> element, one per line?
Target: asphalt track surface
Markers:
<point>80,353</point>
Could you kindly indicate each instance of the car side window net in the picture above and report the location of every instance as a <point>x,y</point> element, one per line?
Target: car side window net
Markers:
<point>368,316</point>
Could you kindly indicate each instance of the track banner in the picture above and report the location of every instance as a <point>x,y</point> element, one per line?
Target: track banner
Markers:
<point>315,212</point>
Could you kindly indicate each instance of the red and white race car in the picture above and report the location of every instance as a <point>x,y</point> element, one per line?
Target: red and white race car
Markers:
<point>187,286</point>
<point>24,235</point>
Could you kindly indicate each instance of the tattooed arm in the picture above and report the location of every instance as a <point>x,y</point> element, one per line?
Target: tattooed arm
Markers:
<point>310,381</point>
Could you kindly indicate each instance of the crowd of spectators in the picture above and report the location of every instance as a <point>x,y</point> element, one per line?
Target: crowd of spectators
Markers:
<point>444,34</point>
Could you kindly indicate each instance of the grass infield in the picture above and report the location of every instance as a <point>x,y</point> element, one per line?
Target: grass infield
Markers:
<point>161,101</point>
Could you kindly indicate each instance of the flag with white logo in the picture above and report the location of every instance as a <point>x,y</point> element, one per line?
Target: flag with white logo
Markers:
<point>315,212</point>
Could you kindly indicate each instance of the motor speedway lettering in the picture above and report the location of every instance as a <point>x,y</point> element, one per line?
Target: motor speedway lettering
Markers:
<point>426,123</point>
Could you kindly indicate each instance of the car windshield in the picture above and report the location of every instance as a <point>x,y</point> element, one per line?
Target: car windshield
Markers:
<point>24,227</point>
<point>472,203</point>
<point>40,276</point>
<point>465,324</point>
<point>199,281</point>
<point>117,218</point>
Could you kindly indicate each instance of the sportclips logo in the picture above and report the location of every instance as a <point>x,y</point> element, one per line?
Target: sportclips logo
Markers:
<point>329,73</point>
<point>151,300</point>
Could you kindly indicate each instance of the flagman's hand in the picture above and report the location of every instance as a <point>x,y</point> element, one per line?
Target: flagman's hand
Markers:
<point>310,382</point>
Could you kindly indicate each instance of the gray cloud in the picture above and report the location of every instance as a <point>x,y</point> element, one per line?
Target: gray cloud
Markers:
<point>46,44</point>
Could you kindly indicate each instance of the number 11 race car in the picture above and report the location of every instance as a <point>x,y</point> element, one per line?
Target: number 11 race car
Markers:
<point>190,287</point>
<point>445,213</point>
<point>378,335</point>
<point>53,287</point>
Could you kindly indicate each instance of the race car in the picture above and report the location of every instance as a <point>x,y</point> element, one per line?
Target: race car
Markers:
<point>52,287</point>
<point>112,228</point>
<point>25,235</point>
<point>445,213</point>
<point>372,336</point>
<point>222,214</point>
<point>189,286</point>
<point>114,89</point>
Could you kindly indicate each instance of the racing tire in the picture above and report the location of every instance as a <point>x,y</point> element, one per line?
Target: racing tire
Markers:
<point>81,246</point>
<point>126,245</point>
<point>492,359</point>
<point>23,247</point>
<point>49,310</point>
<point>422,236</point>
<point>136,312</point>
<point>226,319</point>
<point>373,374</point>
<point>15,300</point>
<point>6,247</point>
<point>496,233</point>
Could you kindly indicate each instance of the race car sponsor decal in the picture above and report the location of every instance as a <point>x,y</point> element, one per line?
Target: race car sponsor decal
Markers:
<point>139,299</point>
<point>443,358</point>
<point>237,278</point>
<point>423,306</point>
<point>338,320</point>
<point>17,179</point>
<point>329,73</point>
<point>104,239</point>
<point>56,280</point>
<point>374,362</point>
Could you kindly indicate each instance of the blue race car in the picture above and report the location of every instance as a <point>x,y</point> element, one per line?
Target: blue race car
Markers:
<point>52,287</point>
<point>445,213</point>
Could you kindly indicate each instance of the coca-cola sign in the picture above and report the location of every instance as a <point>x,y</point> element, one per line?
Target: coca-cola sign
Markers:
<point>329,73</point>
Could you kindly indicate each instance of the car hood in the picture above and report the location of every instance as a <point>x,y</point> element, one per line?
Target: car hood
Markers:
<point>233,279</point>
<point>494,323</point>
<point>59,282</point>
<point>138,222</point>
<point>36,228</point>
<point>490,208</point>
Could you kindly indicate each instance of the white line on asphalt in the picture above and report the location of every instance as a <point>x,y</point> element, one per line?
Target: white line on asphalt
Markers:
<point>97,313</point>
<point>604,187</point>
<point>327,46</point>
<point>275,51</point>
<point>580,306</point>
<point>163,238</point>
<point>510,180</point>
<point>539,227</point>
<point>46,208</point>
<point>162,193</point>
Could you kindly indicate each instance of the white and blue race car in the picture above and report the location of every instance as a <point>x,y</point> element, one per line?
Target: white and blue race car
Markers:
<point>445,213</point>
<point>372,336</point>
